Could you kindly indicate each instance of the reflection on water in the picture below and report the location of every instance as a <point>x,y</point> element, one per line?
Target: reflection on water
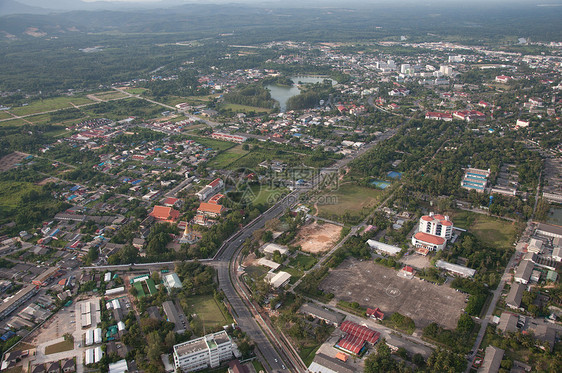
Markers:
<point>282,94</point>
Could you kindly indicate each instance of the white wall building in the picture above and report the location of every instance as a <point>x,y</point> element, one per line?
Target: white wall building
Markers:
<point>433,232</point>
<point>210,189</point>
<point>205,352</point>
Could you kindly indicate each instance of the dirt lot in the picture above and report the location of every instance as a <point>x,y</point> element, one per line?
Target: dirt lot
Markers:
<point>372,285</point>
<point>10,160</point>
<point>317,238</point>
<point>417,261</point>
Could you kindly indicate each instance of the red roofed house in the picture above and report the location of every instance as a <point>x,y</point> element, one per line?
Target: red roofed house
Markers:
<point>171,202</point>
<point>210,209</point>
<point>483,104</point>
<point>469,115</point>
<point>433,232</point>
<point>447,117</point>
<point>407,272</point>
<point>165,214</point>
<point>503,79</point>
<point>375,313</point>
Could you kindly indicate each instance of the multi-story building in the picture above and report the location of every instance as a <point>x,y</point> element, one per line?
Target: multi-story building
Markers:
<point>476,179</point>
<point>205,352</point>
<point>210,189</point>
<point>433,232</point>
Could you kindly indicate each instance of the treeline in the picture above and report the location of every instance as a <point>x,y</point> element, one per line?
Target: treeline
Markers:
<point>311,97</point>
<point>251,95</point>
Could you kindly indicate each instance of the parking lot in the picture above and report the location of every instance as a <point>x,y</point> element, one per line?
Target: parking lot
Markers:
<point>373,285</point>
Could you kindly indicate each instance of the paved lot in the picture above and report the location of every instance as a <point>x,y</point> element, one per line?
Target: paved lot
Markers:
<point>373,285</point>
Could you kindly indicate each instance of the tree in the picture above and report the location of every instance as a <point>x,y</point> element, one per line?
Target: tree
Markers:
<point>170,340</point>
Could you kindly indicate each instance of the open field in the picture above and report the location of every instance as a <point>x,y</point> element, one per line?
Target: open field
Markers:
<point>10,160</point>
<point>13,122</point>
<point>59,347</point>
<point>224,159</point>
<point>267,196</point>
<point>109,95</point>
<point>302,261</point>
<point>317,238</point>
<point>207,309</point>
<point>491,231</point>
<point>50,104</point>
<point>373,285</point>
<point>4,115</point>
<point>352,200</point>
<point>11,193</point>
<point>214,144</point>
<point>246,109</point>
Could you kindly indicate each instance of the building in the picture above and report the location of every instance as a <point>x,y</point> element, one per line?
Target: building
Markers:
<point>492,360</point>
<point>172,281</point>
<point>325,364</point>
<point>228,137</point>
<point>12,303</point>
<point>318,312</point>
<point>508,322</point>
<point>269,263</point>
<point>44,278</point>
<point>475,179</point>
<point>549,230</point>
<point>545,333</point>
<point>433,232</point>
<point>119,367</point>
<point>524,271</point>
<point>271,248</point>
<point>210,209</point>
<point>210,189</point>
<point>535,246</point>
<point>356,337</point>
<point>278,280</point>
<point>456,269</point>
<point>375,313</point>
<point>173,316</point>
<point>447,117</point>
<point>383,248</point>
<point>205,352</point>
<point>165,214</point>
<point>469,115</point>
<point>521,123</point>
<point>171,202</point>
<point>513,299</point>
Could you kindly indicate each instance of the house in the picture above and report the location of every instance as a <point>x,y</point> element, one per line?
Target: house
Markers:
<point>407,272</point>
<point>165,214</point>
<point>503,79</point>
<point>545,333</point>
<point>513,299</point>
<point>508,322</point>
<point>521,123</point>
<point>469,115</point>
<point>492,360</point>
<point>38,369</point>
<point>524,271</point>
<point>210,209</point>
<point>375,313</point>
<point>53,367</point>
<point>447,117</point>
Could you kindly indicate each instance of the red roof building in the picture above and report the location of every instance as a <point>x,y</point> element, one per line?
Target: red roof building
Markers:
<point>215,199</point>
<point>171,202</point>
<point>356,337</point>
<point>210,209</point>
<point>165,214</point>
<point>447,117</point>
<point>375,313</point>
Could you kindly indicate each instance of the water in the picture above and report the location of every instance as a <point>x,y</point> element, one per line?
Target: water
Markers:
<point>282,94</point>
<point>381,184</point>
<point>555,216</point>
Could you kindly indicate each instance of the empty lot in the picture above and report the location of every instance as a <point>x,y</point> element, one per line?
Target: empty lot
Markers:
<point>372,285</point>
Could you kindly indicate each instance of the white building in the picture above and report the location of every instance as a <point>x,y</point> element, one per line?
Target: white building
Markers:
<point>535,246</point>
<point>278,280</point>
<point>172,281</point>
<point>433,232</point>
<point>210,189</point>
<point>383,248</point>
<point>455,268</point>
<point>271,248</point>
<point>97,336</point>
<point>205,352</point>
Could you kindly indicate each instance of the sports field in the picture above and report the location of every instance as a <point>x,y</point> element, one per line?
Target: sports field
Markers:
<point>350,199</point>
<point>207,310</point>
<point>491,231</point>
<point>48,104</point>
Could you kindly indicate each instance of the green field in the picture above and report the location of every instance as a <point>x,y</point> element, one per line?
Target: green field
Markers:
<point>13,122</point>
<point>208,310</point>
<point>245,109</point>
<point>11,193</point>
<point>307,353</point>
<point>304,262</point>
<point>225,158</point>
<point>59,347</point>
<point>50,104</point>
<point>491,231</point>
<point>295,273</point>
<point>214,144</point>
<point>135,91</point>
<point>4,115</point>
<point>110,95</point>
<point>266,195</point>
<point>351,200</point>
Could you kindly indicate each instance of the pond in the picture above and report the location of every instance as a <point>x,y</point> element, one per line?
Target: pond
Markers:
<point>282,94</point>
<point>555,216</point>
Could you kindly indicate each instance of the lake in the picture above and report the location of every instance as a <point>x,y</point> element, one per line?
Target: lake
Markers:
<point>282,94</point>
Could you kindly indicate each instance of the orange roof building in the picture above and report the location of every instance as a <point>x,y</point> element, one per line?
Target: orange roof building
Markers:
<point>210,209</point>
<point>165,214</point>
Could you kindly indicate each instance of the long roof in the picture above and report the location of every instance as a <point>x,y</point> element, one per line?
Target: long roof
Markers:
<point>360,331</point>
<point>429,238</point>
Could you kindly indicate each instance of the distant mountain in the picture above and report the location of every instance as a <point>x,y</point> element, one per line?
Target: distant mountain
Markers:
<point>8,7</point>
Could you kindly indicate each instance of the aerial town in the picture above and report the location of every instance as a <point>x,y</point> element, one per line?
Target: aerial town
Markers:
<point>382,206</point>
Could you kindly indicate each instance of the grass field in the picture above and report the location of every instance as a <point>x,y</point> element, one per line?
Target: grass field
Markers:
<point>246,109</point>
<point>214,144</point>
<point>4,115</point>
<point>295,273</point>
<point>13,122</point>
<point>208,310</point>
<point>307,353</point>
<point>267,196</point>
<point>491,231</point>
<point>224,159</point>
<point>304,262</point>
<point>352,200</point>
<point>136,91</point>
<point>59,347</point>
<point>110,95</point>
<point>50,104</point>
<point>11,193</point>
